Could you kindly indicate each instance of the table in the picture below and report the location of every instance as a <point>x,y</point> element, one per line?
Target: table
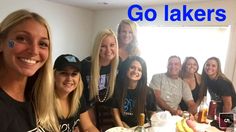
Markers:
<point>169,126</point>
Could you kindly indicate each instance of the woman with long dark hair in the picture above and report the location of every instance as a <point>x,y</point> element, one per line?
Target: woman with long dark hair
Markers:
<point>132,95</point>
<point>189,73</point>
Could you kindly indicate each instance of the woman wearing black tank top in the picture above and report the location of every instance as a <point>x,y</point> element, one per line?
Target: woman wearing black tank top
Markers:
<point>191,77</point>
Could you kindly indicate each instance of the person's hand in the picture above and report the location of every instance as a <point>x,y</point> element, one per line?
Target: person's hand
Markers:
<point>179,112</point>
<point>125,125</point>
<point>192,117</point>
<point>76,129</point>
<point>176,112</point>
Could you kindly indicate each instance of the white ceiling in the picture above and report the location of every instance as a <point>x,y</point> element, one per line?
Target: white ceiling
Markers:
<point>109,4</point>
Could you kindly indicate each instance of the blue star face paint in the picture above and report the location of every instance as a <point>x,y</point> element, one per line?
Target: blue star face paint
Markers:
<point>11,43</point>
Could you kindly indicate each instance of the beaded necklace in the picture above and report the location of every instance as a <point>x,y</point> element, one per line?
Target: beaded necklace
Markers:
<point>105,97</point>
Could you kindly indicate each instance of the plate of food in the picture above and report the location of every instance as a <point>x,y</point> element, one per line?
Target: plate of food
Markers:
<point>119,129</point>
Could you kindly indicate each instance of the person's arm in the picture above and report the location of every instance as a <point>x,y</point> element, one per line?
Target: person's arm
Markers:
<point>86,123</point>
<point>192,107</point>
<point>188,98</point>
<point>125,125</point>
<point>150,102</point>
<point>198,102</point>
<point>162,104</point>
<point>227,103</point>
<point>198,76</point>
<point>116,115</point>
<point>226,91</point>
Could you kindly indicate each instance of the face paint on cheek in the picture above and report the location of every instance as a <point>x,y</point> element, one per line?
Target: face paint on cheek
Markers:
<point>10,43</point>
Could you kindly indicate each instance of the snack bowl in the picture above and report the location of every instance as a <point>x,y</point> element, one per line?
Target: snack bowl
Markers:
<point>160,118</point>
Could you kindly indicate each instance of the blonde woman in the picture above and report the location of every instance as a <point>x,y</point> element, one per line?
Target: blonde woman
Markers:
<point>127,39</point>
<point>69,101</point>
<point>26,74</point>
<point>99,73</point>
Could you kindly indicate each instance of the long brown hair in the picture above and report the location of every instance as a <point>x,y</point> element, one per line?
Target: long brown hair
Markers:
<point>203,86</point>
<point>183,68</point>
<point>123,81</point>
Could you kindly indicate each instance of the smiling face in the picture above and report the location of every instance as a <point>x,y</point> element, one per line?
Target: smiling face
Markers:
<point>135,71</point>
<point>66,80</point>
<point>30,50</point>
<point>126,34</point>
<point>191,66</point>
<point>211,68</point>
<point>173,67</point>
<point>108,49</point>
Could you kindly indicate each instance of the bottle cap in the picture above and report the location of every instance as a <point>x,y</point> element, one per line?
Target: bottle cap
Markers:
<point>185,115</point>
<point>141,119</point>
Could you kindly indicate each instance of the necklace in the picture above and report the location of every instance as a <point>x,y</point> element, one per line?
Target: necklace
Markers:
<point>105,97</point>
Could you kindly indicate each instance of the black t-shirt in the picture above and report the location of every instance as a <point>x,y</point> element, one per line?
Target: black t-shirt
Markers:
<point>68,124</point>
<point>16,116</point>
<point>102,109</point>
<point>218,88</point>
<point>130,102</point>
<point>103,81</point>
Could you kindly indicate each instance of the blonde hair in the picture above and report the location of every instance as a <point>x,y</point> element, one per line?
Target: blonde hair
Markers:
<point>95,66</point>
<point>74,98</point>
<point>132,48</point>
<point>40,85</point>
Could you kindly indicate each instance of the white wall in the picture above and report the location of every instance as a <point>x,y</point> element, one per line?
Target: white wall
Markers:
<point>71,27</point>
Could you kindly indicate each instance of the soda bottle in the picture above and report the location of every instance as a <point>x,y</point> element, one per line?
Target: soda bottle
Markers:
<point>212,110</point>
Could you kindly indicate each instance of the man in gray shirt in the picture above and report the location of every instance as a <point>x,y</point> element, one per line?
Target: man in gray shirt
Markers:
<point>169,89</point>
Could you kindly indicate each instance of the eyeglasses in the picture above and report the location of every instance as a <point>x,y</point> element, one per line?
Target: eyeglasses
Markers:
<point>65,73</point>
